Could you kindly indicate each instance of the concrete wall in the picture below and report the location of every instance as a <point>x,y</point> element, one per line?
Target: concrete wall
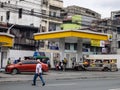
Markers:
<point>15,54</point>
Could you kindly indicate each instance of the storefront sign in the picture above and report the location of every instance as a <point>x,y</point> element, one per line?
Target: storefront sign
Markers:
<point>97,43</point>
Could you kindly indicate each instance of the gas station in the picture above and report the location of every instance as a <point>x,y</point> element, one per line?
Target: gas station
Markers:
<point>69,36</point>
<point>6,41</point>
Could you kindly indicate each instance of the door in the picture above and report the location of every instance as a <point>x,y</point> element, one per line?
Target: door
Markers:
<point>70,57</point>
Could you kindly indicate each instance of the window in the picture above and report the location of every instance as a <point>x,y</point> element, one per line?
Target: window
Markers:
<point>67,46</point>
<point>118,30</point>
<point>75,46</point>
<point>118,44</point>
<point>8,15</point>
<point>27,34</point>
<point>29,62</point>
<point>1,18</point>
<point>42,43</point>
<point>45,2</point>
<point>32,11</point>
<point>43,29</point>
<point>20,12</point>
<point>54,14</point>
<point>9,2</point>
<point>92,49</point>
<point>50,13</point>
<point>98,49</point>
<point>44,12</point>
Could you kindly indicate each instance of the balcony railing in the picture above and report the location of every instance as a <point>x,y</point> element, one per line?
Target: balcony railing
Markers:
<point>24,41</point>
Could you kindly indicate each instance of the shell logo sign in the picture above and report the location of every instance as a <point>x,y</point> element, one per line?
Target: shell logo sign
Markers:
<point>110,37</point>
<point>97,43</point>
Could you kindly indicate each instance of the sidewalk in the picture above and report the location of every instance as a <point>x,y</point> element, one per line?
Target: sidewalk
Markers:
<point>60,75</point>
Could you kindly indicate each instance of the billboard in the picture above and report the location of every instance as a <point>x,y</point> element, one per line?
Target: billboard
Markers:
<point>76,22</point>
<point>71,22</point>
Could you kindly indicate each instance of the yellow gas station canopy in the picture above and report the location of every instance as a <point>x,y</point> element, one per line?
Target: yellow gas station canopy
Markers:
<point>6,40</point>
<point>70,33</point>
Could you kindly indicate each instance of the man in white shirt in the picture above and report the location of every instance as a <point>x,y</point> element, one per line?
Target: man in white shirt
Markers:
<point>38,72</point>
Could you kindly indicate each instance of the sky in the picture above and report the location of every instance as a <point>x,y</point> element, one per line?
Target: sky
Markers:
<point>103,7</point>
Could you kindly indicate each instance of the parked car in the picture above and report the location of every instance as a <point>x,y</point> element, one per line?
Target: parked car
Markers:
<point>24,66</point>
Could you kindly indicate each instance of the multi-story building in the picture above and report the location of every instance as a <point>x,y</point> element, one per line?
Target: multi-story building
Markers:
<point>69,44</point>
<point>23,18</point>
<point>52,22</point>
<point>80,17</point>
<point>115,16</point>
<point>52,8</point>
<point>75,17</point>
<point>106,26</point>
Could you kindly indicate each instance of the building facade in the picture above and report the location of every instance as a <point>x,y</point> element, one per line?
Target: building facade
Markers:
<point>72,47</point>
<point>115,16</point>
<point>75,17</point>
<point>23,18</point>
<point>79,16</point>
<point>106,26</point>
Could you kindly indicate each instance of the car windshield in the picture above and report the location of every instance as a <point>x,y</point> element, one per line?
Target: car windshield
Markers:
<point>29,62</point>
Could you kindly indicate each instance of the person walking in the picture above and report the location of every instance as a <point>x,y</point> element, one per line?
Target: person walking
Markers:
<point>38,72</point>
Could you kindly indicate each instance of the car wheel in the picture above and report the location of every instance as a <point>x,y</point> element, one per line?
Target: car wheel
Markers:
<point>106,69</point>
<point>79,68</point>
<point>14,71</point>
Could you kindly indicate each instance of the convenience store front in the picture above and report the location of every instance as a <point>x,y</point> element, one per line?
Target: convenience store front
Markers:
<point>68,36</point>
<point>6,41</point>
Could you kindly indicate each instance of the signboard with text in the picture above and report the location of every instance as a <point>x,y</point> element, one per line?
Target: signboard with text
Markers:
<point>97,43</point>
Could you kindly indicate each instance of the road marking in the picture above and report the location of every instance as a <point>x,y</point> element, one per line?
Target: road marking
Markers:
<point>115,89</point>
<point>62,84</point>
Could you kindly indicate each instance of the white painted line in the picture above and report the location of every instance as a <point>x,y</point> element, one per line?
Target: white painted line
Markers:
<point>115,89</point>
<point>62,84</point>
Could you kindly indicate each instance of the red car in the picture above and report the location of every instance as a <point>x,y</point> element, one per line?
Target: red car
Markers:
<point>24,66</point>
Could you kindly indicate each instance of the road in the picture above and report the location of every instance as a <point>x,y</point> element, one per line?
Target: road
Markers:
<point>71,84</point>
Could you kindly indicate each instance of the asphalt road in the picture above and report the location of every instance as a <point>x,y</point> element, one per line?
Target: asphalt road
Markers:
<point>60,75</point>
<point>72,84</point>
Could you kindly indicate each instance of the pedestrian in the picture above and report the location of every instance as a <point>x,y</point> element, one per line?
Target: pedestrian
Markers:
<point>48,62</point>
<point>64,63</point>
<point>8,61</point>
<point>17,61</point>
<point>38,72</point>
<point>73,62</point>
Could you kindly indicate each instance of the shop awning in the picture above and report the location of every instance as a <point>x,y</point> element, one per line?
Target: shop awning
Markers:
<point>6,40</point>
<point>70,33</point>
